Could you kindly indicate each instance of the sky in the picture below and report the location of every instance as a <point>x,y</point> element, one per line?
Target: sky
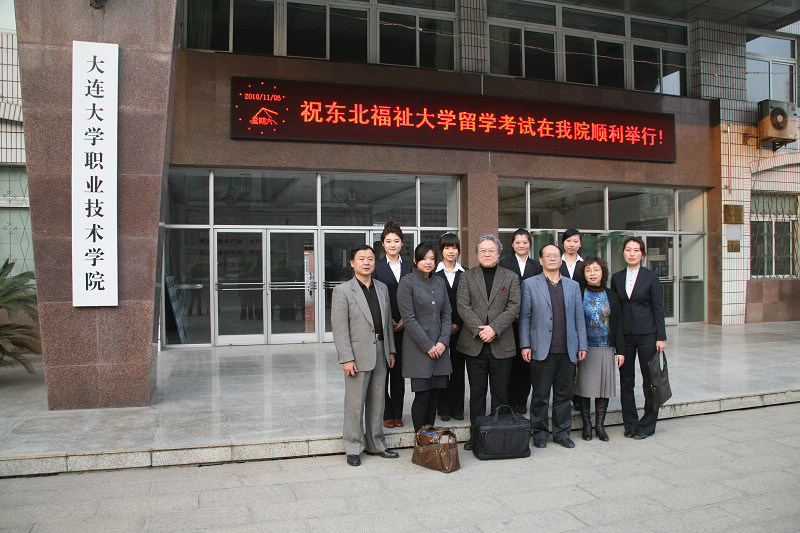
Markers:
<point>7,20</point>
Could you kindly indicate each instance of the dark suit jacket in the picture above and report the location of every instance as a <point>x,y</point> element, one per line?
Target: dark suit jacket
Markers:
<point>532,267</point>
<point>577,276</point>
<point>497,310</point>
<point>383,272</point>
<point>643,312</point>
<point>616,334</point>
<point>451,295</point>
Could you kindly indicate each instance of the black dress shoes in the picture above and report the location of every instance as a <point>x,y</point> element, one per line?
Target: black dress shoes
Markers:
<point>458,417</point>
<point>540,443</point>
<point>629,434</point>
<point>641,436</point>
<point>386,454</point>
<point>468,445</point>
<point>354,460</point>
<point>566,443</point>
<point>444,418</point>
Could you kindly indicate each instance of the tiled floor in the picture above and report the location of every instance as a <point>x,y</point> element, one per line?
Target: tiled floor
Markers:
<point>232,396</point>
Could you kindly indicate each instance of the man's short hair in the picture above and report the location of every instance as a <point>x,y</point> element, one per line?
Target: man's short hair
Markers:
<point>489,237</point>
<point>541,250</point>
<point>360,247</point>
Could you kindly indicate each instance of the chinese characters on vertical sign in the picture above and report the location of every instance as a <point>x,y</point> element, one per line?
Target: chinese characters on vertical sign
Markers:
<point>95,88</point>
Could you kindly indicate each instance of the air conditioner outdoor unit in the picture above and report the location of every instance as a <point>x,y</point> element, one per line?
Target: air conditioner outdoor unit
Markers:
<point>777,121</point>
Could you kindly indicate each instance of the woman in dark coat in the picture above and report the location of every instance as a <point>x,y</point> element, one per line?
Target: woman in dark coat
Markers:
<point>451,399</point>
<point>639,293</point>
<point>390,269</point>
<point>597,373</point>
<point>425,309</point>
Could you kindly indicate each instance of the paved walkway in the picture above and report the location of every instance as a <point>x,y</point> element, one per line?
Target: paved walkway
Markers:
<point>733,471</point>
<point>216,405</point>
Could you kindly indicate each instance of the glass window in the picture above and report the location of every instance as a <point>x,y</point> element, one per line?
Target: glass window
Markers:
<point>438,201</point>
<point>187,301</point>
<point>782,82</point>
<point>674,73</point>
<point>770,46</point>
<point>593,21</point>
<point>610,64</point>
<point>566,205</point>
<point>540,56</point>
<point>641,209</point>
<point>522,11</point>
<point>253,27</point>
<point>580,59</point>
<point>757,80</point>
<point>187,200</point>
<point>256,197</point>
<point>511,203</point>
<point>773,204</point>
<point>646,69</point>
<point>761,248</point>
<point>439,5</point>
<point>505,51</point>
<point>348,35</point>
<point>368,201</point>
<point>398,39</point>
<point>306,30</point>
<point>436,44</point>
<point>691,205</point>
<point>657,31</point>
<point>207,24</point>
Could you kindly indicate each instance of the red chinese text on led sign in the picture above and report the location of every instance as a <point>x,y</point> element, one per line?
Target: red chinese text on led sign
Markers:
<point>281,110</point>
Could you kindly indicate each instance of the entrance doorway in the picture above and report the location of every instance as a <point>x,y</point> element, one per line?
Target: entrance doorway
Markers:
<point>256,304</point>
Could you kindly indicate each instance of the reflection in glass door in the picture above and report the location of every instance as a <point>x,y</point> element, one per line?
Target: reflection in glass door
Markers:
<point>240,287</point>
<point>337,266</point>
<point>661,258</point>
<point>292,287</point>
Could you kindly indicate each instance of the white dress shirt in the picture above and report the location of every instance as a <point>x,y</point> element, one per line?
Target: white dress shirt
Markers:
<point>571,268</point>
<point>396,267</point>
<point>630,280</point>
<point>521,263</point>
<point>450,274</point>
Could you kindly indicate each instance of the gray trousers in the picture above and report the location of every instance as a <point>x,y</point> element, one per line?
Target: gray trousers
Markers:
<point>364,394</point>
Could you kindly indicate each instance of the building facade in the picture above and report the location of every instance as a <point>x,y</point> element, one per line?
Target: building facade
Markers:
<point>260,141</point>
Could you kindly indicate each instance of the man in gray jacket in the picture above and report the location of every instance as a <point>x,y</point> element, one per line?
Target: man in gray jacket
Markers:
<point>552,337</point>
<point>488,303</point>
<point>362,332</point>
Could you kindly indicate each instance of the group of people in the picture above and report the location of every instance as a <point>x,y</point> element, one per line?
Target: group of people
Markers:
<point>519,327</point>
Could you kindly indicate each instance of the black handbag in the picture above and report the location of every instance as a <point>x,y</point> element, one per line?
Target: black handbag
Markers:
<point>501,436</point>
<point>660,390</point>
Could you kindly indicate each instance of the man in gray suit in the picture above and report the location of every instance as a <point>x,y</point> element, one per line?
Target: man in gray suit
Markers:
<point>552,336</point>
<point>488,302</point>
<point>362,332</point>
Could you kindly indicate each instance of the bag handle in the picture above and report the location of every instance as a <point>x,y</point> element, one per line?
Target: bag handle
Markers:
<point>662,355</point>
<point>496,415</point>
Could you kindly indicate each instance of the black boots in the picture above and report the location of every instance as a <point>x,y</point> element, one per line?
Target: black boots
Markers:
<point>600,408</point>
<point>583,407</point>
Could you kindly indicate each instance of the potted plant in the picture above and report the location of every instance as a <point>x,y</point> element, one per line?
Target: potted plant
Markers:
<point>17,294</point>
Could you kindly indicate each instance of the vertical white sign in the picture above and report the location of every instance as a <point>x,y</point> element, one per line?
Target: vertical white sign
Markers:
<point>95,103</point>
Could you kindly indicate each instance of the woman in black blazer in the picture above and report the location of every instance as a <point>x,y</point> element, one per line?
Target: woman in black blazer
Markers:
<point>451,399</point>
<point>390,270</point>
<point>520,263</point>
<point>639,293</point>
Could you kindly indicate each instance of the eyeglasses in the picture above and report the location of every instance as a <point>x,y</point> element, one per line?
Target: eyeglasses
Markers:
<point>551,256</point>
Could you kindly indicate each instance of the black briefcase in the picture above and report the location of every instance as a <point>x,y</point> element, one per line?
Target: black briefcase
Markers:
<point>501,435</point>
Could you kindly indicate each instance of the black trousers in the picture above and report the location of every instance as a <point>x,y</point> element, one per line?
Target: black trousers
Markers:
<point>645,347</point>
<point>519,386</point>
<point>451,399</point>
<point>555,372</point>
<point>395,383</point>
<point>487,371</point>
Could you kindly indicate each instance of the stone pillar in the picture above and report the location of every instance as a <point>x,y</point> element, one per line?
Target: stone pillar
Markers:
<point>105,356</point>
<point>479,213</point>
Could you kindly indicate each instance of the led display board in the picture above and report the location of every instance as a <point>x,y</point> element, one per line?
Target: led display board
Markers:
<point>301,111</point>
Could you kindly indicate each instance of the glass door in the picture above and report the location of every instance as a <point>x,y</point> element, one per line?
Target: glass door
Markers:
<point>661,259</point>
<point>292,293</point>
<point>337,246</point>
<point>240,288</point>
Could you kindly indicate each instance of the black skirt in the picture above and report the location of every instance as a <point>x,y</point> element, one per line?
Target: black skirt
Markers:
<point>426,384</point>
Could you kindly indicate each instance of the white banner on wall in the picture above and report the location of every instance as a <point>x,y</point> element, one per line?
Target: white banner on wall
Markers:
<point>95,103</point>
